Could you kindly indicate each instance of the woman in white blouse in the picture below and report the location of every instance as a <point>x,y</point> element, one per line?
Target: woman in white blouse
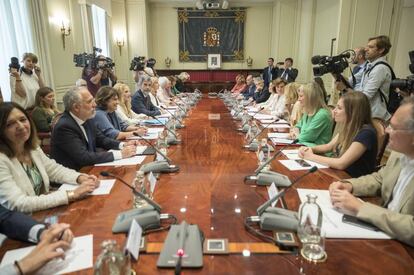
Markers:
<point>277,105</point>
<point>124,110</point>
<point>26,172</point>
<point>162,93</point>
<point>25,82</point>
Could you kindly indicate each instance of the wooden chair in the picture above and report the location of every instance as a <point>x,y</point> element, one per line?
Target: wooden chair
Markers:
<point>382,138</point>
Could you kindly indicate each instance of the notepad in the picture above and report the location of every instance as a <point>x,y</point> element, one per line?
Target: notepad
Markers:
<point>332,223</point>
<point>104,188</point>
<point>78,257</point>
<point>121,162</point>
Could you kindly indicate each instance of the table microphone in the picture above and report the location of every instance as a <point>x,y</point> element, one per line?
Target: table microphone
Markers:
<point>261,131</point>
<point>163,166</point>
<point>176,141</point>
<point>275,218</point>
<point>136,192</point>
<point>268,177</point>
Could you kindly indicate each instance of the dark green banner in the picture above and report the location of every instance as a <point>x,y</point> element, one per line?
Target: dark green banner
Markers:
<point>205,32</point>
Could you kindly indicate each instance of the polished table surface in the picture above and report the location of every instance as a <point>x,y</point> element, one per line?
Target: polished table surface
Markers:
<point>209,191</point>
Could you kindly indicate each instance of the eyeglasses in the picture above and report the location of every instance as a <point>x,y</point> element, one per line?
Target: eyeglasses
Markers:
<point>390,128</point>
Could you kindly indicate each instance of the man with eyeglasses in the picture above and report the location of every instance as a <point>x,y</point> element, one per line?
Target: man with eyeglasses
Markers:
<point>394,183</point>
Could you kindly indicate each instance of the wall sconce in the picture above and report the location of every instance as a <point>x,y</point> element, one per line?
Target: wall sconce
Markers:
<point>249,61</point>
<point>167,62</point>
<point>120,43</point>
<point>64,32</point>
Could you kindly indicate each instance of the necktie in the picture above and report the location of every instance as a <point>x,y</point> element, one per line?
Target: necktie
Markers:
<point>91,146</point>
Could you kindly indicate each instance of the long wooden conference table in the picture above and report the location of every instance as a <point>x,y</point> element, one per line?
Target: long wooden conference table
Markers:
<point>209,191</point>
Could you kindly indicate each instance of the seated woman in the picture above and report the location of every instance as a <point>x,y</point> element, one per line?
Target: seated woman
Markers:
<point>173,89</point>
<point>240,85</point>
<point>45,109</point>
<point>355,146</point>
<point>315,126</point>
<point>277,106</point>
<point>181,79</point>
<point>163,94</point>
<point>124,110</point>
<point>26,172</point>
<point>106,118</point>
<point>293,111</point>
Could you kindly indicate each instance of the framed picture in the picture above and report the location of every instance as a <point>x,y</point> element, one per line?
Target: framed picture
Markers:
<point>214,61</point>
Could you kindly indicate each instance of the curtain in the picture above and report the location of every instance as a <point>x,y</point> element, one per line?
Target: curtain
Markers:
<point>41,39</point>
<point>16,37</point>
<point>100,31</point>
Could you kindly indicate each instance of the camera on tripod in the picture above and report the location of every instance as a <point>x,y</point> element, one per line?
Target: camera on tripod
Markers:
<point>93,60</point>
<point>330,64</point>
<point>137,63</point>
<point>407,84</point>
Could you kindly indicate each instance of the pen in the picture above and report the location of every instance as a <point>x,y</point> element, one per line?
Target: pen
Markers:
<point>61,235</point>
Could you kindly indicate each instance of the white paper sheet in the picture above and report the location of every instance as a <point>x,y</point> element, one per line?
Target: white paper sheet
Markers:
<point>281,141</point>
<point>279,126</point>
<point>121,162</point>
<point>147,136</point>
<point>157,130</point>
<point>140,149</point>
<point>293,165</point>
<point>291,153</point>
<point>272,191</point>
<point>278,135</point>
<point>166,115</point>
<point>262,116</point>
<point>78,257</point>
<point>266,121</point>
<point>104,188</point>
<point>332,223</point>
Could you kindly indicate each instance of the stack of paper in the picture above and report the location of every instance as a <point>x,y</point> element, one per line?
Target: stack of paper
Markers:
<point>332,223</point>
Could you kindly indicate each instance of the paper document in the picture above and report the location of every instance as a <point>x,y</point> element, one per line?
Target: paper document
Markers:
<point>104,188</point>
<point>262,116</point>
<point>147,136</point>
<point>155,130</point>
<point>279,126</point>
<point>278,135</point>
<point>300,164</point>
<point>140,149</point>
<point>166,115</point>
<point>78,257</point>
<point>266,121</point>
<point>332,223</point>
<point>162,121</point>
<point>120,162</point>
<point>291,153</point>
<point>283,141</point>
<point>280,121</point>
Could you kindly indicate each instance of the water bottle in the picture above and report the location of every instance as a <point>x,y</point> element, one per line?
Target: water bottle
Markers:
<point>162,146</point>
<point>139,185</point>
<point>112,261</point>
<point>263,154</point>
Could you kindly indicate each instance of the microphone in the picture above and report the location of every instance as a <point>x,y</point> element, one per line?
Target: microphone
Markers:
<point>136,192</point>
<point>181,243</point>
<point>162,107</point>
<point>158,166</point>
<point>260,108</point>
<point>261,131</point>
<point>262,208</point>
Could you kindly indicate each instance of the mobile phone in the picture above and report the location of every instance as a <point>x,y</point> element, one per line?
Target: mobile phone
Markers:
<point>357,222</point>
<point>302,163</point>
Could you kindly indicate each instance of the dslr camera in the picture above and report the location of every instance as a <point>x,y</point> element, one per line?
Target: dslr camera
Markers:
<point>407,84</point>
<point>14,63</point>
<point>330,64</point>
<point>137,63</point>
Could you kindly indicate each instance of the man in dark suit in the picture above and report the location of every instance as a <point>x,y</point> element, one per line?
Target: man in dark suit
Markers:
<point>287,72</point>
<point>141,102</point>
<point>270,72</point>
<point>19,226</point>
<point>250,88</point>
<point>262,93</point>
<point>75,137</point>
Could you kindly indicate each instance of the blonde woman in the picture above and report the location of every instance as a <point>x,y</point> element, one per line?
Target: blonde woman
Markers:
<point>240,85</point>
<point>124,110</point>
<point>315,126</point>
<point>355,146</point>
<point>45,109</point>
<point>293,110</point>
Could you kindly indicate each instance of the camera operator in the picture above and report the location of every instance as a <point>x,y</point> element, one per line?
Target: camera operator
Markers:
<point>376,78</point>
<point>360,64</point>
<point>99,75</point>
<point>25,81</point>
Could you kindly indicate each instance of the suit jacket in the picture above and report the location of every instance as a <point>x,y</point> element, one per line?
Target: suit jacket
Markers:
<point>16,189</point>
<point>289,75</point>
<point>15,225</point>
<point>69,146</point>
<point>399,225</point>
<point>261,96</point>
<point>109,123</point>
<point>265,75</point>
<point>143,105</point>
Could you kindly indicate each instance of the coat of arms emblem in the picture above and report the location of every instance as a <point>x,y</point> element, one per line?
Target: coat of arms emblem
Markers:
<point>211,37</point>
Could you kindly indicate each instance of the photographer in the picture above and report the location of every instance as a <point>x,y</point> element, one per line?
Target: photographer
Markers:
<point>138,66</point>
<point>25,81</point>
<point>101,74</point>
<point>376,78</point>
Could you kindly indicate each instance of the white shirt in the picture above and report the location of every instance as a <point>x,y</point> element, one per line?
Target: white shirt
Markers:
<point>406,175</point>
<point>278,108</point>
<point>80,122</point>
<point>379,78</point>
<point>30,84</point>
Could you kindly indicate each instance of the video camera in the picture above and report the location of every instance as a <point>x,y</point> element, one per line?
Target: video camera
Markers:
<point>14,63</point>
<point>137,63</point>
<point>92,60</point>
<point>407,84</point>
<point>330,64</point>
<point>151,62</point>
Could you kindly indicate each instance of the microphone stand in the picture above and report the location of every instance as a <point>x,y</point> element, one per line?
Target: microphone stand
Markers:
<point>169,130</point>
<point>162,107</point>
<point>260,108</point>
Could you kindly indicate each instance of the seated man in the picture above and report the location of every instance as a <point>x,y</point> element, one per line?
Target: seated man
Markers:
<point>75,138</point>
<point>250,87</point>
<point>18,226</point>
<point>141,102</point>
<point>394,182</point>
